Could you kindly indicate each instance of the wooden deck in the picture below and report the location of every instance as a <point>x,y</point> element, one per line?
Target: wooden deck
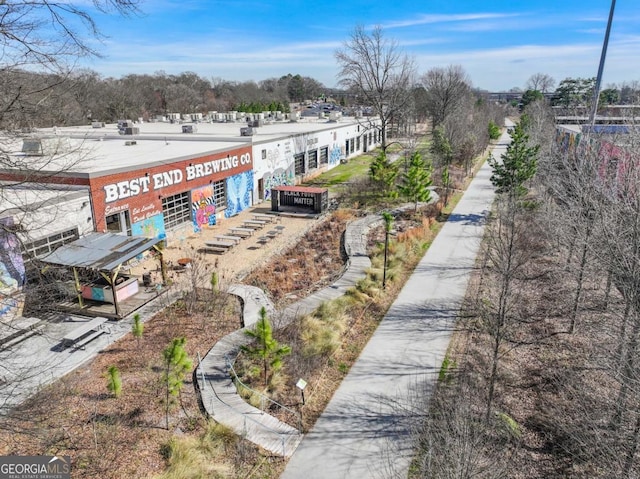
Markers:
<point>96,308</point>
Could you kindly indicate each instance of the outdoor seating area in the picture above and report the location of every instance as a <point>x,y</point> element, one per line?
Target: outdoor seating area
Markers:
<point>227,241</point>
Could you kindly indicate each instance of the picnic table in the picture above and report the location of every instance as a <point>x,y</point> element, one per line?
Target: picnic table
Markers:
<point>243,232</point>
<point>235,239</point>
<point>219,246</point>
<point>264,217</point>
<point>85,333</point>
<point>255,224</point>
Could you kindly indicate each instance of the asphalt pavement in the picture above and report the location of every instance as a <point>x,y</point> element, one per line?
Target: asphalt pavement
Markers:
<point>365,431</point>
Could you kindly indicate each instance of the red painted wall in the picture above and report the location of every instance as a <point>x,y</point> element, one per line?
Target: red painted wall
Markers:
<point>141,190</point>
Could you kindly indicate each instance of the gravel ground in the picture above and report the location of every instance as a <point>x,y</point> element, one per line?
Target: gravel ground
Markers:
<point>233,265</point>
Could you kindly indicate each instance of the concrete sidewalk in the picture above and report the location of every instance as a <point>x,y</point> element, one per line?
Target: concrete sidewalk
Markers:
<point>365,430</point>
<point>219,395</point>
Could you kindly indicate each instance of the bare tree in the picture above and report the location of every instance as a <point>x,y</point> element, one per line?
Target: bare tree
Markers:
<point>540,82</point>
<point>46,37</point>
<point>375,68</point>
<point>447,90</point>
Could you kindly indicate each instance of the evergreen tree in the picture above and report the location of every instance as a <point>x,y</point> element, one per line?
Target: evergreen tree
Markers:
<point>137,328</point>
<point>518,165</point>
<point>494,131</point>
<point>440,147</point>
<point>384,173</point>
<point>416,181</point>
<point>266,347</point>
<point>446,184</point>
<point>114,382</point>
<point>176,366</point>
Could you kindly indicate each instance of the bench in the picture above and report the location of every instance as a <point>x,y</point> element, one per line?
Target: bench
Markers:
<point>215,249</point>
<point>87,339</point>
<point>85,333</point>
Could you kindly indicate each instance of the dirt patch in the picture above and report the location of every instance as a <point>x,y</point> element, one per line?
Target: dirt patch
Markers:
<point>115,438</point>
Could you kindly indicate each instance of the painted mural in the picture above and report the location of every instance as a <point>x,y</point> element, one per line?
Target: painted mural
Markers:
<point>278,178</point>
<point>151,227</point>
<point>12,271</point>
<point>203,208</point>
<point>239,189</point>
<point>335,153</point>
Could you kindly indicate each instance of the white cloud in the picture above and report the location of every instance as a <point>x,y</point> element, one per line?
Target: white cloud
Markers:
<point>442,18</point>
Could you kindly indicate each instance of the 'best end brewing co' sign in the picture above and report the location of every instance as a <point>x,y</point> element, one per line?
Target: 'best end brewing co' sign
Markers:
<point>144,184</point>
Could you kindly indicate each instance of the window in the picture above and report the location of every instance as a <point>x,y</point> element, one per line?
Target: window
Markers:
<point>49,244</point>
<point>176,210</point>
<point>313,159</point>
<point>264,154</point>
<point>324,155</point>
<point>298,161</point>
<point>119,223</point>
<point>220,193</point>
<point>358,144</point>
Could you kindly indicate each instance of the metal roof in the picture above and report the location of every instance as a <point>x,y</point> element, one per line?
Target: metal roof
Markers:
<point>100,251</point>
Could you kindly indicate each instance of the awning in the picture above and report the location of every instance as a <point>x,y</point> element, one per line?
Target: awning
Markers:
<point>100,251</point>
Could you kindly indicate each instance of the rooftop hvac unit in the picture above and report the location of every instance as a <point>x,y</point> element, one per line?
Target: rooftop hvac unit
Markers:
<point>131,130</point>
<point>247,131</point>
<point>130,143</point>
<point>97,124</point>
<point>189,129</point>
<point>44,146</point>
<point>256,123</point>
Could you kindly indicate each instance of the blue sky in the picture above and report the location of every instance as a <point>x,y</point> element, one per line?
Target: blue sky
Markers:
<point>499,43</point>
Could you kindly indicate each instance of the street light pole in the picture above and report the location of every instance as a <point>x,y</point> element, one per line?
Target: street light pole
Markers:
<point>388,220</point>
<point>603,55</point>
<point>386,249</point>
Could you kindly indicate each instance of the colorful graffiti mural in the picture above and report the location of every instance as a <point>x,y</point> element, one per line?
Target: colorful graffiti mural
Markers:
<point>152,227</point>
<point>334,155</point>
<point>203,208</point>
<point>12,271</point>
<point>239,189</point>
<point>278,178</point>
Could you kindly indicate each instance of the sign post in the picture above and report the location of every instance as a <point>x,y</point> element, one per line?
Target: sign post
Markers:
<point>301,384</point>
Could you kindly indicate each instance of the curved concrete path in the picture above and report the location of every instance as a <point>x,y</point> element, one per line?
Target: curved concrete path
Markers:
<point>365,431</point>
<point>219,395</point>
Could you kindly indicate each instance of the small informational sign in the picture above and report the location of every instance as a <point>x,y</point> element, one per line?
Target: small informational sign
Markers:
<point>301,384</point>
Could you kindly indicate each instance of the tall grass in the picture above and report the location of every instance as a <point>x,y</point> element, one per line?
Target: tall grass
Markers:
<point>198,457</point>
